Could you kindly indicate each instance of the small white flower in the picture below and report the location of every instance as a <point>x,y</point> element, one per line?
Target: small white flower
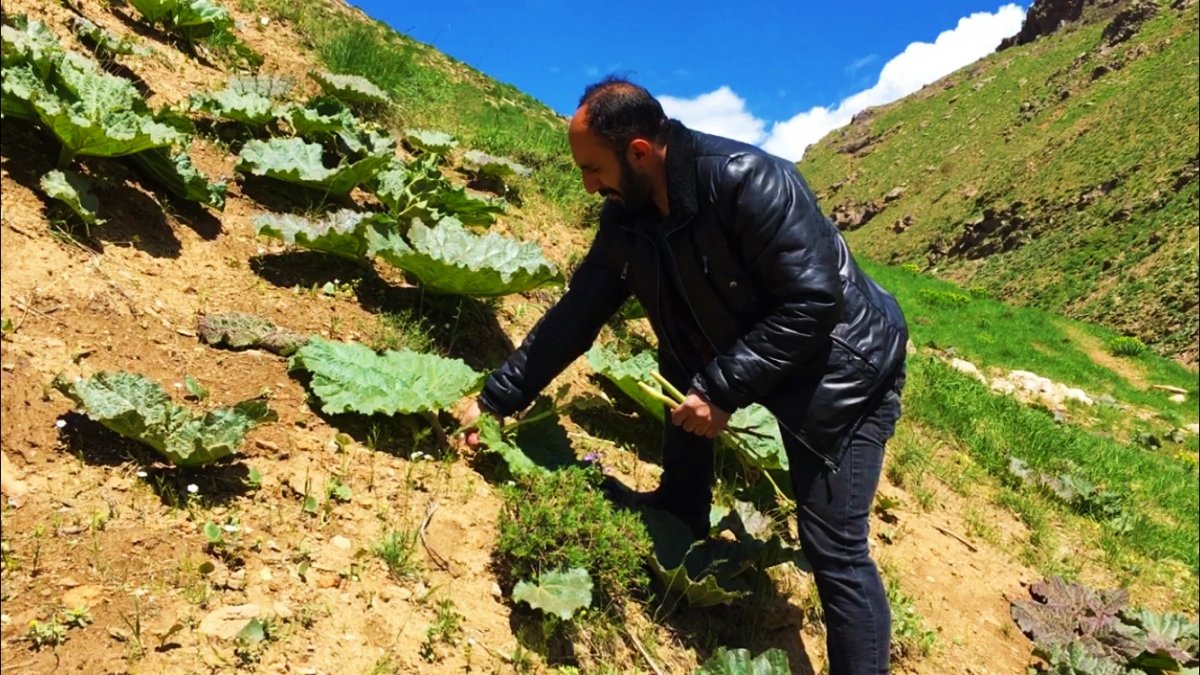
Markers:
<point>142,474</point>
<point>509,483</point>
<point>471,641</point>
<point>139,592</point>
<point>230,528</point>
<point>60,423</point>
<point>179,385</point>
<point>192,488</point>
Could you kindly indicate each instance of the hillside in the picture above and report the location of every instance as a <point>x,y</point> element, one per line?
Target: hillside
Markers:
<point>344,535</point>
<point>1061,173</point>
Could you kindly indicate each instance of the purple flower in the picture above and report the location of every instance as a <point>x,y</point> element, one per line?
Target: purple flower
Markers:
<point>592,458</point>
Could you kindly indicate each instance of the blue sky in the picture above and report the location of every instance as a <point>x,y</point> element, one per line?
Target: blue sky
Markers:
<point>778,74</point>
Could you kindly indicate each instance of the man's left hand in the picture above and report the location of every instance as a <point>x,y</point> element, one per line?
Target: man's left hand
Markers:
<point>699,417</point>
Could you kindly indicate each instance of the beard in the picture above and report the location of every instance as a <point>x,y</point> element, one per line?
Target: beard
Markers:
<point>635,193</point>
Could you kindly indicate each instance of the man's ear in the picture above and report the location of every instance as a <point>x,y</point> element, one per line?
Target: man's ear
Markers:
<point>639,150</point>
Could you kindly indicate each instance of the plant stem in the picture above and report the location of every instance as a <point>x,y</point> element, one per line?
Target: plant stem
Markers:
<point>658,395</point>
<point>670,388</point>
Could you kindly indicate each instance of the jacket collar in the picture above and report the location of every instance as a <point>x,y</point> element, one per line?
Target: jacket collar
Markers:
<point>681,173</point>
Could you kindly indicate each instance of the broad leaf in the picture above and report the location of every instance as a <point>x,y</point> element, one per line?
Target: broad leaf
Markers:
<point>352,89</point>
<point>706,592</point>
<point>447,258</point>
<point>739,662</point>
<point>293,160</point>
<point>155,11</point>
<point>492,437</point>
<point>419,190</point>
<point>561,593</point>
<point>321,117</point>
<point>20,87</point>
<point>253,110</point>
<point>273,87</point>
<point>73,190</point>
<point>754,432</point>
<point>31,44</point>
<point>138,408</point>
<point>237,330</point>
<point>196,19</point>
<point>428,140</point>
<point>102,42</point>
<point>346,233</point>
<point>490,165</point>
<point>173,169</point>
<point>104,116</point>
<point>350,377</point>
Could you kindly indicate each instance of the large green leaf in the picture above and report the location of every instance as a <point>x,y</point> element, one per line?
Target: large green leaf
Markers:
<point>173,169</point>
<point>429,140</point>
<point>755,432</point>
<point>294,160</point>
<point>253,110</point>
<point>705,592</point>
<point>103,43</point>
<point>101,115</point>
<point>321,117</point>
<point>350,377</point>
<point>31,44</point>
<point>447,258</point>
<point>559,592</point>
<point>273,87</point>
<point>739,662</point>
<point>155,11</point>
<point>138,408</point>
<point>352,89</point>
<point>20,87</point>
<point>492,437</point>
<point>196,19</point>
<point>73,190</point>
<point>346,233</point>
<point>625,375</point>
<point>419,190</point>
<point>491,165</point>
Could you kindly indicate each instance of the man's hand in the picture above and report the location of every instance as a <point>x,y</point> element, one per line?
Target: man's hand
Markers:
<point>468,415</point>
<point>699,416</point>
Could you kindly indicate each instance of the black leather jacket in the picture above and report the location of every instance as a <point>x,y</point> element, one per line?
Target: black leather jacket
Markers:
<point>790,319</point>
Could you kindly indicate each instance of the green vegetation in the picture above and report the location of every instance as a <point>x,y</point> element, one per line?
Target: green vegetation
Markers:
<point>1061,174</point>
<point>560,520</point>
<point>397,549</point>
<point>1158,495</point>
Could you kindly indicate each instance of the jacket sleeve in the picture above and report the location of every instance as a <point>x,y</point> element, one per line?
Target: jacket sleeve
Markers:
<point>596,291</point>
<point>791,251</point>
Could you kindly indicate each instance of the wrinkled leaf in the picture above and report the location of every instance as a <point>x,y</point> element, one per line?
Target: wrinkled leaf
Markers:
<point>429,140</point>
<point>447,258</point>
<point>238,330</point>
<point>273,87</point>
<point>707,592</point>
<point>20,87</point>
<point>155,11</point>
<point>294,160</point>
<point>138,408</point>
<point>31,44</point>
<point>350,377</point>
<point>739,662</point>
<point>498,167</point>
<point>196,19</point>
<point>321,117</point>
<point>492,437</point>
<point>104,43</point>
<point>419,190</point>
<point>253,110</point>
<point>173,169</point>
<point>561,593</point>
<point>73,190</point>
<point>346,233</point>
<point>352,89</point>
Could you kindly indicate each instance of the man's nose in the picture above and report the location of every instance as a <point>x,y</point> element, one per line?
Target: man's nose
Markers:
<point>591,184</point>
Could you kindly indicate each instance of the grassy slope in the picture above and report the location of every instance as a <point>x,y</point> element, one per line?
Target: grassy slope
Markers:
<point>1029,132</point>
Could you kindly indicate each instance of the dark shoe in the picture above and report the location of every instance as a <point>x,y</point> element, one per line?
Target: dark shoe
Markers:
<point>624,496</point>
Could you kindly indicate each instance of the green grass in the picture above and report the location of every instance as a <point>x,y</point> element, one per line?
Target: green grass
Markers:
<point>988,332</point>
<point>1158,495</point>
<point>397,549</point>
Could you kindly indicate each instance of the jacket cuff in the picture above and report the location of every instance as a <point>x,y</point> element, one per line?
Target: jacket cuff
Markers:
<point>491,400</point>
<point>712,394</point>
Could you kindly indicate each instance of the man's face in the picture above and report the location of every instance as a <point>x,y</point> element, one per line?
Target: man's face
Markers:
<point>608,173</point>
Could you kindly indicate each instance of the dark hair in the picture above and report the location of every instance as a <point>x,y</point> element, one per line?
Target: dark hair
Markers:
<point>619,111</point>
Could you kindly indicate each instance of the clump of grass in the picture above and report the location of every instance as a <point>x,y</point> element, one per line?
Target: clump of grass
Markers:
<point>912,638</point>
<point>1127,346</point>
<point>561,520</point>
<point>397,549</point>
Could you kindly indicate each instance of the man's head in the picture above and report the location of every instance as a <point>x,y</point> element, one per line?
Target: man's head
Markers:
<point>617,139</point>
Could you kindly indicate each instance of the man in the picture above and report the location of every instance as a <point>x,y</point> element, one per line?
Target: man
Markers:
<point>755,299</point>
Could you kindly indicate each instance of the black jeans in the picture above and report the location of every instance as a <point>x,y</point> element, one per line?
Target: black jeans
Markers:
<point>834,513</point>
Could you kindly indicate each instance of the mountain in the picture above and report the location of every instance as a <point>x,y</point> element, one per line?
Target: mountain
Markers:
<point>1059,172</point>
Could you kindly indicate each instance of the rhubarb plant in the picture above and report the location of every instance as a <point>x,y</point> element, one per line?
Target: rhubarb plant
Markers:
<point>138,408</point>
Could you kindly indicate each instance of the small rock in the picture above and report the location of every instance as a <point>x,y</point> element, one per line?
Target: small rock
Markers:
<point>1177,398</point>
<point>1194,428</point>
<point>267,445</point>
<point>341,542</point>
<point>282,611</point>
<point>265,574</point>
<point>496,591</point>
<point>226,622</point>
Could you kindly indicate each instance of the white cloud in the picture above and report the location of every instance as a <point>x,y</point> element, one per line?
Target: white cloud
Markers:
<point>719,112</point>
<point>723,112</point>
